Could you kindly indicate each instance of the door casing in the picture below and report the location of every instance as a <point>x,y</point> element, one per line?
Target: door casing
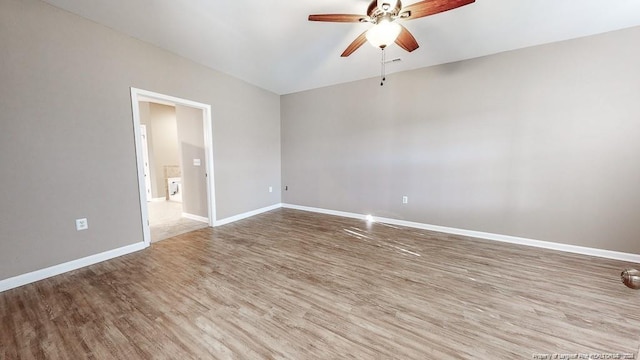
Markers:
<point>138,95</point>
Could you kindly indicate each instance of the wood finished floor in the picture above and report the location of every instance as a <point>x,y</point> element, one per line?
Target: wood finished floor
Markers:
<point>296,285</point>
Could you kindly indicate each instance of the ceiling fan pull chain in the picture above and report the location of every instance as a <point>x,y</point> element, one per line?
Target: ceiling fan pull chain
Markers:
<point>382,69</point>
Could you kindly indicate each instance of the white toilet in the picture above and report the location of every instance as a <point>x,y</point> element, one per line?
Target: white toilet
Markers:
<point>175,189</point>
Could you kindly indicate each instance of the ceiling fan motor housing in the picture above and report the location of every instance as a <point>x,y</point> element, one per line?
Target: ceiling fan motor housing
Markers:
<point>374,11</point>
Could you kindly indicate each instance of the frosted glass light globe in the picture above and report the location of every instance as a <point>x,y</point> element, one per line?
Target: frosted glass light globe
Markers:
<point>383,34</point>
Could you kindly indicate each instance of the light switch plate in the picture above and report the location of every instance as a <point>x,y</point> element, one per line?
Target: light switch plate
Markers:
<point>196,162</point>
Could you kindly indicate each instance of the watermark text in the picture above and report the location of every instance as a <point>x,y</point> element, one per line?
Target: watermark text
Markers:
<point>607,356</point>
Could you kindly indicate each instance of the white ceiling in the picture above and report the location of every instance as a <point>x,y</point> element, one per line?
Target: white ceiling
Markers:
<point>272,45</point>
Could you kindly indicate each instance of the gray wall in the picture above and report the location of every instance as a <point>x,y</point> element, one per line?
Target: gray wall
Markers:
<point>541,143</point>
<point>67,143</point>
<point>145,119</point>
<point>191,143</point>
<point>164,150</point>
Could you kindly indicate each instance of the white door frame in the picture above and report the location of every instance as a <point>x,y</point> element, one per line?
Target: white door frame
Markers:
<point>136,95</point>
<point>145,161</point>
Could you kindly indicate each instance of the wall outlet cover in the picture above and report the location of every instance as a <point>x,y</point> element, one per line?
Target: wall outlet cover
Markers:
<point>82,224</point>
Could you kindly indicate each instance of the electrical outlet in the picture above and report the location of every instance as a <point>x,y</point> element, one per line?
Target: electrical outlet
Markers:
<point>270,188</point>
<point>82,224</point>
<point>405,199</point>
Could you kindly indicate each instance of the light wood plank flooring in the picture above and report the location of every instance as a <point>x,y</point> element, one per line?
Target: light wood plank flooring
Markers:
<point>296,285</point>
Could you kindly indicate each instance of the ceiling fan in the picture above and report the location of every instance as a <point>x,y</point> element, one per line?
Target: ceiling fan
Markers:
<point>384,14</point>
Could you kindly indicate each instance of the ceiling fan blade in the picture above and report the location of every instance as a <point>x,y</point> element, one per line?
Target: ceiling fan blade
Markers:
<point>355,45</point>
<point>336,17</point>
<point>406,41</point>
<point>431,7</point>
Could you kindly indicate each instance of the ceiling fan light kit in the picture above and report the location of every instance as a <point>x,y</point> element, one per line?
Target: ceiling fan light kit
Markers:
<point>383,34</point>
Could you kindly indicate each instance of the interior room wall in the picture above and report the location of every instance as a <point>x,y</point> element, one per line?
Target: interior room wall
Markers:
<point>145,119</point>
<point>67,143</point>
<point>194,176</point>
<point>540,143</point>
<point>166,150</point>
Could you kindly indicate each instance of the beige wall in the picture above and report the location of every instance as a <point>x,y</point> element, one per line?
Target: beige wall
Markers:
<point>67,143</point>
<point>540,143</point>
<point>194,177</point>
<point>145,119</point>
<point>164,151</point>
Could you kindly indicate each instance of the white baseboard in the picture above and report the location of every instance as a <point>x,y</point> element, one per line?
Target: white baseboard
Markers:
<point>195,217</point>
<point>245,215</point>
<point>42,274</point>
<point>326,211</point>
<point>609,254</point>
<point>160,199</point>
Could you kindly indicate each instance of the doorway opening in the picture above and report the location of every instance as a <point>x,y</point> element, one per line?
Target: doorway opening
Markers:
<point>174,150</point>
